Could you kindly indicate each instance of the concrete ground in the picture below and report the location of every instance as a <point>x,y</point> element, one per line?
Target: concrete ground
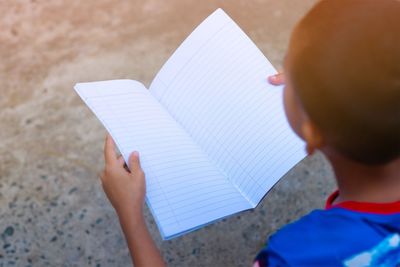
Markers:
<point>52,209</point>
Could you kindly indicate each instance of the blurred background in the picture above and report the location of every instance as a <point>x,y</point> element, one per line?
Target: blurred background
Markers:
<point>52,209</point>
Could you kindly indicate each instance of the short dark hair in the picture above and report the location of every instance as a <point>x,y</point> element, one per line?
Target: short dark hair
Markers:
<point>345,69</point>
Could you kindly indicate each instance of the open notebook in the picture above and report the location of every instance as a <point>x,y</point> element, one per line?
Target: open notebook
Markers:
<point>211,132</point>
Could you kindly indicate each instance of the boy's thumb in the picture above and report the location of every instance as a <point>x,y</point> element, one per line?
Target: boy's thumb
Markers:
<point>134,161</point>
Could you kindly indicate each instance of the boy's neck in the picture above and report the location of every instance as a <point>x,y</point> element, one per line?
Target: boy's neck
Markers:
<point>365,183</point>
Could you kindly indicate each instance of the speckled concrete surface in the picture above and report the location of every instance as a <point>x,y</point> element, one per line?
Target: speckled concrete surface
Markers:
<point>52,209</point>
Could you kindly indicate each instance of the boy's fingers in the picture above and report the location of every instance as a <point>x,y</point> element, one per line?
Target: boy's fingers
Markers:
<point>121,161</point>
<point>134,161</point>
<point>277,79</point>
<point>126,168</point>
<point>109,151</point>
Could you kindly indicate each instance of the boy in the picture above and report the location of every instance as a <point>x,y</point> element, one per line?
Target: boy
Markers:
<point>342,97</point>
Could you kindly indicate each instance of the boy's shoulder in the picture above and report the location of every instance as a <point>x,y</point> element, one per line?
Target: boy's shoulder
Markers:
<point>328,237</point>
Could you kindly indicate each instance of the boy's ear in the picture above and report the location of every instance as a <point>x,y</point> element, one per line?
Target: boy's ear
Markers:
<point>312,136</point>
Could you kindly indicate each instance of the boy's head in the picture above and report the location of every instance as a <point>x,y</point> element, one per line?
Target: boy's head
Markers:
<point>343,79</point>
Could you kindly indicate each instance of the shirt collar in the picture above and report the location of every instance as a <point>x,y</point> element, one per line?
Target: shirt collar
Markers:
<point>367,207</point>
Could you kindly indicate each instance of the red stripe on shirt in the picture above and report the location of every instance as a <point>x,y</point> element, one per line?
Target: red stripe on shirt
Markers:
<point>367,207</point>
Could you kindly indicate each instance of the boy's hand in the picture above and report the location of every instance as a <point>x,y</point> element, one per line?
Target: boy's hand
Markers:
<point>277,79</point>
<point>125,190</point>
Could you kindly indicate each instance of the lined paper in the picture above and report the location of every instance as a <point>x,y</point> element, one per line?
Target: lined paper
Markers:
<point>184,189</point>
<point>211,132</point>
<point>214,85</point>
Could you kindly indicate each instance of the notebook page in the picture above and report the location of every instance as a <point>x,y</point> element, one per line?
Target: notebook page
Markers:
<point>184,190</point>
<point>215,86</point>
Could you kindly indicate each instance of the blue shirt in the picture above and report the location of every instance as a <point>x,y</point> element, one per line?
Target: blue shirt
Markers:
<point>337,236</point>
